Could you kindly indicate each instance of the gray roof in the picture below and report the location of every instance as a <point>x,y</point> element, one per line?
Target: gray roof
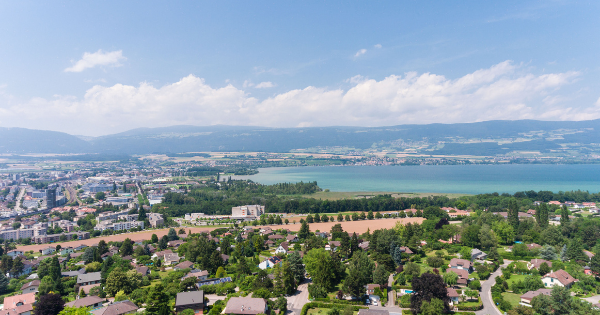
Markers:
<point>189,298</point>
<point>85,302</point>
<point>245,305</point>
<point>92,276</point>
<point>116,308</point>
<point>373,312</point>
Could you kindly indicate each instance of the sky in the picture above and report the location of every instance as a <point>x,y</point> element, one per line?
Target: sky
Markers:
<point>97,68</point>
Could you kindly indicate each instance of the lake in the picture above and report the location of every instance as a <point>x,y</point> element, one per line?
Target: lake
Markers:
<point>462,179</point>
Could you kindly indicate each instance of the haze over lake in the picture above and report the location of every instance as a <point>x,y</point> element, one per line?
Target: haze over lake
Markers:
<point>465,179</point>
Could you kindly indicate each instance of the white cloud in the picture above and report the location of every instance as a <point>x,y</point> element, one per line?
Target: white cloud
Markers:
<point>360,53</point>
<point>247,84</point>
<point>378,46</point>
<point>503,91</point>
<point>99,58</point>
<point>264,85</point>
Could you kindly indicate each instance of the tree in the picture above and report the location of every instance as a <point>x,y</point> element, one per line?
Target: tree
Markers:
<point>49,304</point>
<point>513,214</point>
<point>521,310</point>
<point>126,248</point>
<point>595,263</point>
<point>242,266</point>
<point>221,272</point>
<point>304,231</point>
<point>17,267</point>
<point>75,311</point>
<point>475,285</point>
<point>154,239</point>
<point>142,214</point>
<point>563,253</point>
<point>412,270</point>
<point>296,266</point>
<point>427,287</point>
<point>564,216</point>
<point>370,215</point>
<point>188,284</point>
<point>116,281</point>
<point>450,278</point>
<point>320,266</point>
<point>487,238</point>
<point>541,215</point>
<point>381,276</point>
<point>120,296</point>
<point>158,301</point>
<point>561,300</point>
<point>163,243</point>
<point>433,307</point>
<point>284,279</point>
<point>100,195</point>
<point>340,217</point>
<point>575,250</point>
<point>544,269</point>
<point>3,283</point>
<point>360,273</point>
<point>172,235</point>
<point>434,261</point>
<point>542,304</point>
<point>548,253</point>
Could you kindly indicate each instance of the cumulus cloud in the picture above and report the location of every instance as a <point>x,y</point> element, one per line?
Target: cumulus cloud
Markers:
<point>378,46</point>
<point>502,91</point>
<point>360,53</point>
<point>264,85</point>
<point>99,58</point>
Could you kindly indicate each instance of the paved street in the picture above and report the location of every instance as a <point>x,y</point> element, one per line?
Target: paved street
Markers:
<point>297,301</point>
<point>486,293</point>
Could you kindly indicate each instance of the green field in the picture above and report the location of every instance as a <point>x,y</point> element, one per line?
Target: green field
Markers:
<point>513,299</point>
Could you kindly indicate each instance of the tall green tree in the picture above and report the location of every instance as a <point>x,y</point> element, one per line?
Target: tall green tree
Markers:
<point>513,214</point>
<point>157,302</point>
<point>17,267</point>
<point>360,273</point>
<point>49,304</point>
<point>3,283</point>
<point>564,216</point>
<point>541,215</point>
<point>296,266</point>
<point>304,231</point>
<point>319,265</point>
<point>117,280</point>
<point>126,248</point>
<point>381,276</point>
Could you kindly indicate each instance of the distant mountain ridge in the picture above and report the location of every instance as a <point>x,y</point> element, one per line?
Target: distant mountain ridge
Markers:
<point>442,138</point>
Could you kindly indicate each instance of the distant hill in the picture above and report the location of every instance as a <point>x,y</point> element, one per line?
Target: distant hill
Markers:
<point>482,138</point>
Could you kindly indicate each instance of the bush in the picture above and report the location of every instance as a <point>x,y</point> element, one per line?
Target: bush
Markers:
<point>310,305</point>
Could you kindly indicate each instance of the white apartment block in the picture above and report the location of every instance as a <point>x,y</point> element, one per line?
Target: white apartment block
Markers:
<point>118,226</point>
<point>248,211</point>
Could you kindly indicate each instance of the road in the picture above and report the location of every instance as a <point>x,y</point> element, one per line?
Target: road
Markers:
<point>489,308</point>
<point>19,199</point>
<point>297,301</point>
<point>73,195</point>
<point>391,293</point>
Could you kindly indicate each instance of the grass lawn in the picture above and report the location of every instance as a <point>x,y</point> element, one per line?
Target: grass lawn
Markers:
<point>513,299</point>
<point>515,278</point>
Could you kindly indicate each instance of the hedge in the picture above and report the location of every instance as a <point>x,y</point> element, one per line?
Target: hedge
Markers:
<point>336,301</point>
<point>310,305</point>
<point>398,287</point>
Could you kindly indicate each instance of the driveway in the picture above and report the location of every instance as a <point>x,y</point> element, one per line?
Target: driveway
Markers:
<point>212,298</point>
<point>297,301</point>
<point>593,299</point>
<point>486,293</point>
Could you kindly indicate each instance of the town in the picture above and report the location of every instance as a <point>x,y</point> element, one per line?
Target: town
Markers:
<point>158,238</point>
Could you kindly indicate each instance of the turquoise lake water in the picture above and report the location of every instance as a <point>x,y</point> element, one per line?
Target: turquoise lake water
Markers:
<point>466,179</point>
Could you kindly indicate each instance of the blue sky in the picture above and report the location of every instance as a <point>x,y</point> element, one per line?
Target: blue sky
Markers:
<point>308,63</point>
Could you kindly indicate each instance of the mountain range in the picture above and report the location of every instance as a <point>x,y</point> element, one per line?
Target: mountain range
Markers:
<point>480,138</point>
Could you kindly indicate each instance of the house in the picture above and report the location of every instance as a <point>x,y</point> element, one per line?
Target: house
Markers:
<point>453,295</point>
<point>282,249</point>
<point>477,254</point>
<point>463,276</point>
<point>14,253</point>
<point>171,259</point>
<point>81,247</point>
<point>536,263</point>
<point>11,302</point>
<point>31,286</point>
<point>175,243</point>
<point>276,237</point>
<point>245,306</point>
<point>87,288</point>
<point>143,270</point>
<point>560,278</point>
<point>406,250</point>
<point>322,234</point>
<point>199,274</point>
<point>225,258</point>
<point>371,288</point>
<point>528,296</point>
<point>27,269</point>
<point>364,245</point>
<point>269,262</point>
<point>184,265</point>
<point>89,278</point>
<point>47,250</point>
<point>117,308</point>
<point>269,243</point>
<point>193,300</point>
<point>463,264</point>
<point>75,273</point>
<point>25,309</point>
<point>66,250</point>
<point>533,246</point>
<point>334,245</point>
<point>93,302</point>
<point>531,212</point>
<point>161,254</point>
<point>588,254</point>
<point>292,238</point>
